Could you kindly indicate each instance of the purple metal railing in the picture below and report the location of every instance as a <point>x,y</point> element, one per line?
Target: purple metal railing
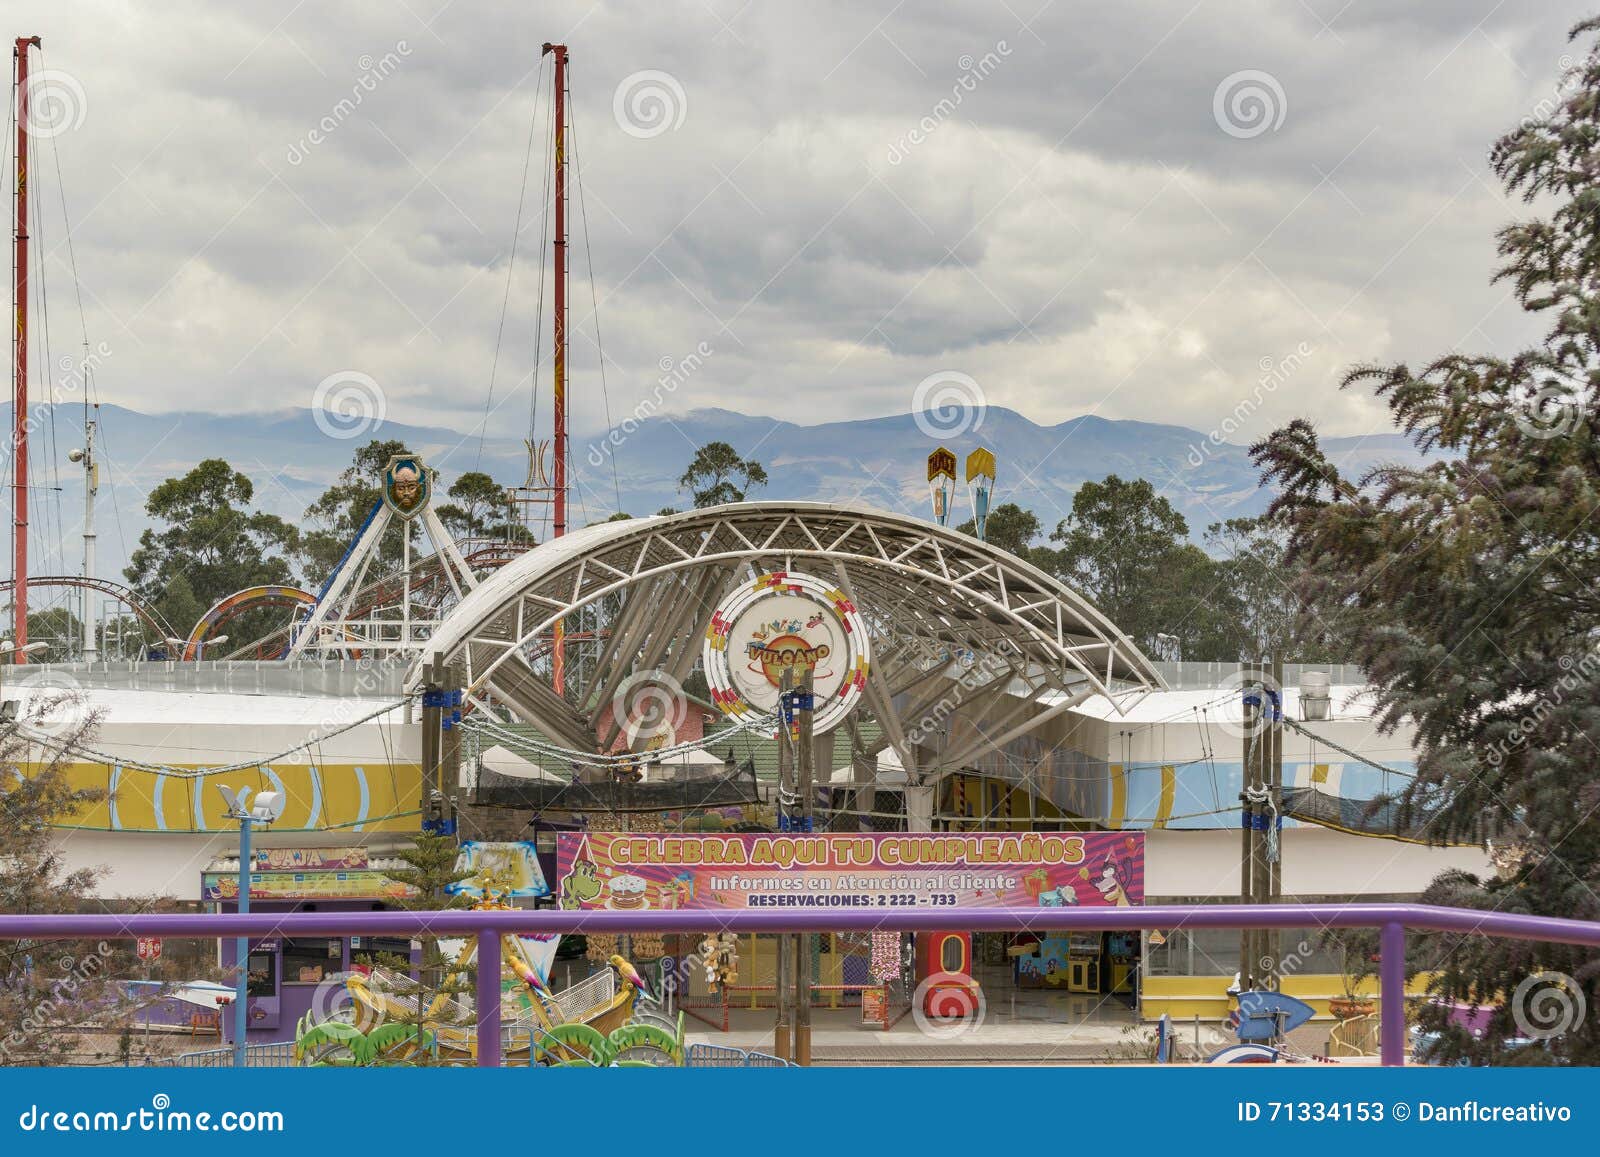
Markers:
<point>1391,920</point>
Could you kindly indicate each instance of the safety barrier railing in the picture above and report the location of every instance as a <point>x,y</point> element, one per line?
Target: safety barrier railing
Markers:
<point>279,1055</point>
<point>1391,920</point>
<point>702,1056</point>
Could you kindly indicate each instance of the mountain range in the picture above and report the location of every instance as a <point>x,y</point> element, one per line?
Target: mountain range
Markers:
<point>291,458</point>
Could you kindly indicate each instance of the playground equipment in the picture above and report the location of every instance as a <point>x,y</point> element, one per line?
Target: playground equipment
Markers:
<point>944,974</point>
<point>394,1019</point>
<point>408,488</point>
<point>1262,1021</point>
<point>340,1043</point>
<point>594,1022</point>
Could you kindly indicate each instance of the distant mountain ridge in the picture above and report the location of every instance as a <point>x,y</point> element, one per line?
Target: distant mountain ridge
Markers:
<point>878,461</point>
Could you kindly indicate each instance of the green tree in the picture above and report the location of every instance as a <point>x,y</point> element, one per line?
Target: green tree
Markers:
<point>336,518</point>
<point>208,542</point>
<point>1275,613</point>
<point>717,475</point>
<point>430,870</point>
<point>61,629</point>
<point>1012,529</point>
<point>1193,598</point>
<point>1126,548</point>
<point>479,508</point>
<point>1472,578</point>
<point>51,991</point>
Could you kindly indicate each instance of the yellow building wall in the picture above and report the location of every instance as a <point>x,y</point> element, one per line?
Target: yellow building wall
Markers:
<point>367,797</point>
<point>1186,997</point>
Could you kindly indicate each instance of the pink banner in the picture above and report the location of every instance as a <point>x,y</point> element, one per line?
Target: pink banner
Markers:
<point>621,871</point>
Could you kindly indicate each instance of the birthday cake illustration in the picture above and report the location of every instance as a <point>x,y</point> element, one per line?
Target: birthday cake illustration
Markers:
<point>628,891</point>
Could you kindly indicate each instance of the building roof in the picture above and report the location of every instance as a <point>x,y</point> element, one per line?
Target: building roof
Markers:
<point>201,708</point>
<point>1222,704</point>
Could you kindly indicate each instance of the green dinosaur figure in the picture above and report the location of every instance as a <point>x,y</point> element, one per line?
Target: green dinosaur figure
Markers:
<point>580,885</point>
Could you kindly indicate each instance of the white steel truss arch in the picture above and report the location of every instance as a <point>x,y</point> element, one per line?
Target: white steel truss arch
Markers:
<point>933,599</point>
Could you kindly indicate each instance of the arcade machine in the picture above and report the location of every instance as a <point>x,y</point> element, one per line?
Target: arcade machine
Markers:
<point>1083,962</point>
<point>1122,952</point>
<point>946,956</point>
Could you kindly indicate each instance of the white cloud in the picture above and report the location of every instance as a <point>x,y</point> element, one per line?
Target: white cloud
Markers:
<point>1077,234</point>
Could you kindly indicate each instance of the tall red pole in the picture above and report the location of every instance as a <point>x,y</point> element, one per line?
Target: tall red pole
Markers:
<point>19,366</point>
<point>559,352</point>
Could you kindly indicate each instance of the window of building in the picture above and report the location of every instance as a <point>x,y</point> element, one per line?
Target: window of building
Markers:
<point>1215,952</point>
<point>263,979</point>
<point>310,960</point>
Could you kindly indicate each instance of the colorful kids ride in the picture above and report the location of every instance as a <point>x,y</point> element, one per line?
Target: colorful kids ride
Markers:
<point>394,1019</point>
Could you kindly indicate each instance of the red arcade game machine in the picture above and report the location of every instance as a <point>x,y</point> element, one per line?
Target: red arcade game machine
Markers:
<point>944,974</point>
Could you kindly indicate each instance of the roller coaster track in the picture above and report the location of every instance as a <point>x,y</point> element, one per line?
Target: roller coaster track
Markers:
<point>123,594</point>
<point>428,588</point>
<point>227,609</point>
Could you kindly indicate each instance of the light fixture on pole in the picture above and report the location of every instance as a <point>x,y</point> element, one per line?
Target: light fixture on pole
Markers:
<point>1316,695</point>
<point>181,646</point>
<point>263,808</point>
<point>980,484</point>
<point>942,484</point>
<point>10,650</point>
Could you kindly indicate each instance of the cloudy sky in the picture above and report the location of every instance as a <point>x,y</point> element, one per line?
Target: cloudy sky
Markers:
<point>1137,210</point>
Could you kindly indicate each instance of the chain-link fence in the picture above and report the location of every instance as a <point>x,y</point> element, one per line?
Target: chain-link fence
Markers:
<point>848,809</point>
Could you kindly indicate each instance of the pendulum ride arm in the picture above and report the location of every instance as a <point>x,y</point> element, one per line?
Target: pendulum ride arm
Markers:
<point>333,592</point>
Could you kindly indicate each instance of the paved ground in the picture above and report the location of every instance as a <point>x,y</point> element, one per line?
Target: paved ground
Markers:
<point>1016,1027</point>
<point>1036,1028</point>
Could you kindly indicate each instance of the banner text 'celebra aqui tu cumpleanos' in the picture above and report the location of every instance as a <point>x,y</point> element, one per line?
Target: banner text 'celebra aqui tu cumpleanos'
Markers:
<point>848,851</point>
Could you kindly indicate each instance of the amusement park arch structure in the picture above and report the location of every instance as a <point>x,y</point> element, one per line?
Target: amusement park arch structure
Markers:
<point>936,603</point>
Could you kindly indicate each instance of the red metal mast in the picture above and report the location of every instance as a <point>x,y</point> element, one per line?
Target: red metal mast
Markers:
<point>19,365</point>
<point>559,350</point>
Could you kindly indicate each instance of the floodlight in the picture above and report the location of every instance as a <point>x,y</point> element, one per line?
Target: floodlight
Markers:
<point>267,806</point>
<point>1315,695</point>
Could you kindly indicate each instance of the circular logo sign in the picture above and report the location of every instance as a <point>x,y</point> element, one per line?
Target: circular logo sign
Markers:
<point>786,622</point>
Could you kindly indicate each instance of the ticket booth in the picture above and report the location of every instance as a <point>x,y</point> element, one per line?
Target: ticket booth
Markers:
<point>286,973</point>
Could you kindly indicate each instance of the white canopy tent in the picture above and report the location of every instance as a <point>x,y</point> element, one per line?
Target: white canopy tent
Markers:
<point>889,772</point>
